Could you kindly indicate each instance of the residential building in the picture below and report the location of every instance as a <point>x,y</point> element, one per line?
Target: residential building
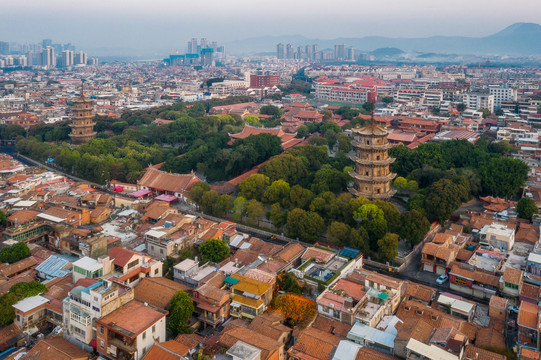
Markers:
<point>249,297</point>
<point>212,304</point>
<point>86,304</point>
<point>511,283</point>
<point>130,331</point>
<point>57,348</point>
<point>497,236</point>
<point>478,101</point>
<point>464,278</point>
<point>528,325</point>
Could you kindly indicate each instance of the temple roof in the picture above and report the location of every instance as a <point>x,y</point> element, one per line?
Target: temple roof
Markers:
<point>371,129</point>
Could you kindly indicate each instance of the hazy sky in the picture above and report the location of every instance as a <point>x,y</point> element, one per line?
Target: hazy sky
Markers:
<point>159,25</point>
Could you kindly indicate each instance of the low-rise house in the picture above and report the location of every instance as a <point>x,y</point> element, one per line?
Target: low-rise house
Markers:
<point>269,348</point>
<point>511,283</point>
<point>189,273</point>
<point>57,348</point>
<point>249,297</point>
<point>417,350</point>
<point>465,279</point>
<point>89,268</point>
<point>158,291</point>
<point>170,350</point>
<point>411,328</point>
<point>456,307</point>
<point>373,338</point>
<point>497,308</point>
<point>437,258</point>
<point>418,292</point>
<point>130,331</point>
<point>497,236</point>
<point>313,344</point>
<point>131,267</point>
<point>472,352</point>
<point>528,325</point>
<point>212,304</point>
<point>36,312</point>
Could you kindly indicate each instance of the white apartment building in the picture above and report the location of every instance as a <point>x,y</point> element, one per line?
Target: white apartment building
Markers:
<point>478,101</point>
<point>84,305</point>
<point>502,94</point>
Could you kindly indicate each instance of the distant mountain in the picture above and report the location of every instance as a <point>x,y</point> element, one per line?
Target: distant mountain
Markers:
<point>386,52</point>
<point>520,39</point>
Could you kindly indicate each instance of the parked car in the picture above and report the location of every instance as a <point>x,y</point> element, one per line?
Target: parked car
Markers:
<point>513,309</point>
<point>442,279</point>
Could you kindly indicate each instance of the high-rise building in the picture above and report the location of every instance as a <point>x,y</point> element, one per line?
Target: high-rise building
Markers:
<point>308,52</point>
<point>340,52</point>
<point>192,46</point>
<point>280,54</point>
<point>80,58</point>
<point>29,58</point>
<point>48,57</point>
<point>300,52</point>
<point>4,48</point>
<point>289,51</point>
<point>67,58</point>
<point>351,54</point>
<point>46,42</point>
<point>82,121</point>
<point>315,52</point>
<point>371,175</point>
<point>207,58</point>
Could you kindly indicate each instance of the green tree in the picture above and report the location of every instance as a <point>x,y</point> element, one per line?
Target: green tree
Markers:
<point>299,197</point>
<point>214,250</point>
<point>526,208</point>
<point>387,247</point>
<point>288,282</point>
<point>302,131</point>
<point>460,107</point>
<point>400,183</point>
<point>278,191</point>
<point>486,112</point>
<point>7,315</point>
<point>24,290</point>
<point>3,218</point>
<point>413,226</point>
<point>181,310</point>
<point>224,204</point>
<point>443,197</point>
<point>254,186</point>
<point>14,253</point>
<point>372,219</point>
<point>254,211</point>
<point>239,208</point>
<point>270,110</point>
<point>197,191</point>
<point>285,167</point>
<point>252,120</point>
<point>387,99</point>
<point>209,201</point>
<point>338,233</point>
<point>277,216</point>
<point>504,176</point>
<point>306,225</point>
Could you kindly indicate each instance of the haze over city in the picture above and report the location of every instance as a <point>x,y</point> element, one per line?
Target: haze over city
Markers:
<point>159,26</point>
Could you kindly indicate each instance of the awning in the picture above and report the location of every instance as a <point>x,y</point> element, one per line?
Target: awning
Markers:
<point>231,281</point>
<point>140,193</point>
<point>383,296</point>
<point>118,189</point>
<point>165,197</point>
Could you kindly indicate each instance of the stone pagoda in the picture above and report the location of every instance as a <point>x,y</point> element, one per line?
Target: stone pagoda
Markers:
<point>82,120</point>
<point>371,175</point>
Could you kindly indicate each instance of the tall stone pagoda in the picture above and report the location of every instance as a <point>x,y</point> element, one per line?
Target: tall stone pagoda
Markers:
<point>371,175</point>
<point>82,120</point>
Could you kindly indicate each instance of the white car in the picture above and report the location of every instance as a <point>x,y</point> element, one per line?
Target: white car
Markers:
<point>442,279</point>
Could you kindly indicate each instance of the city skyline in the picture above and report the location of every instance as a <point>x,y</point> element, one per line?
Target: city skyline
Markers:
<point>168,25</point>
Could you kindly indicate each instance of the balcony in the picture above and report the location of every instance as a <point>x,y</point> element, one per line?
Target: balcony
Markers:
<point>376,162</point>
<point>120,344</point>
<point>375,178</point>
<point>379,147</point>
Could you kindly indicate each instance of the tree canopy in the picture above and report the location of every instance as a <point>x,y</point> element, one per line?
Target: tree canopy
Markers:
<point>181,309</point>
<point>214,250</point>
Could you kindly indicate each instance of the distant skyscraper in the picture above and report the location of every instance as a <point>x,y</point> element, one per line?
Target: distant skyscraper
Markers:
<point>315,51</point>
<point>340,52</point>
<point>29,58</point>
<point>80,58</point>
<point>4,48</point>
<point>351,54</point>
<point>48,57</point>
<point>289,51</point>
<point>308,52</point>
<point>192,46</point>
<point>46,42</point>
<point>67,58</point>
<point>280,54</point>
<point>300,52</point>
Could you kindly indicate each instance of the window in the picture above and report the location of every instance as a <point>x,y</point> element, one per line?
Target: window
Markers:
<point>153,328</point>
<point>144,335</point>
<point>511,285</point>
<point>101,330</point>
<point>102,344</point>
<point>156,271</point>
